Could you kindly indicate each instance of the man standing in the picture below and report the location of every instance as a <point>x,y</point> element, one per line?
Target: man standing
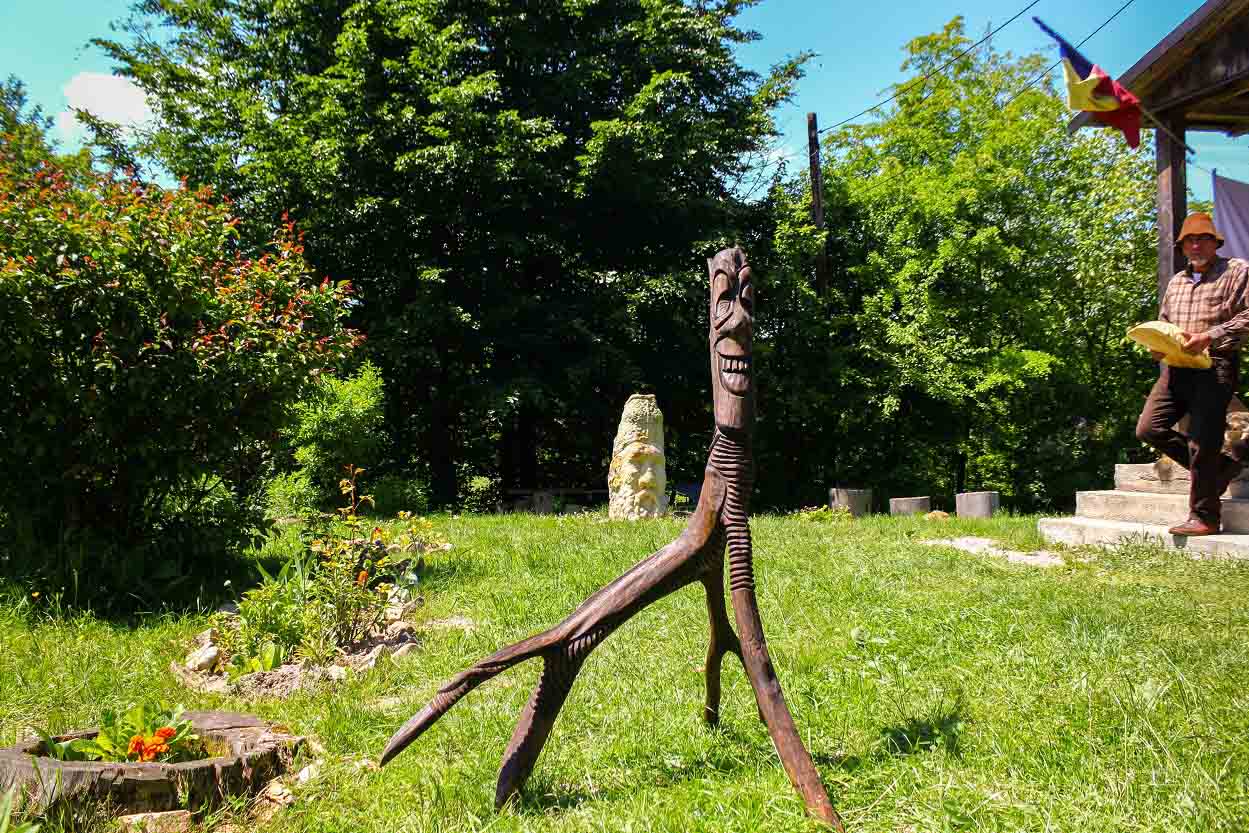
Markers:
<point>1209,301</point>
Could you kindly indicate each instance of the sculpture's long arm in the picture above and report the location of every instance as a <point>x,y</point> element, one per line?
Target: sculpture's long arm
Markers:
<point>566,645</point>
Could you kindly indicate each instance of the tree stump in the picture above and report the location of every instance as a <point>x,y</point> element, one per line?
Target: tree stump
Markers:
<point>857,502</point>
<point>910,505</point>
<point>976,504</point>
<point>249,754</point>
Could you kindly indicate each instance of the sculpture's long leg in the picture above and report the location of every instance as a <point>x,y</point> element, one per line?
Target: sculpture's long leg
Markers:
<point>794,756</point>
<point>722,640</point>
<point>534,726</point>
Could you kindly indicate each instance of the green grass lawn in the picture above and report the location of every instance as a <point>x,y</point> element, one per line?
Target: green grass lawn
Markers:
<point>937,690</point>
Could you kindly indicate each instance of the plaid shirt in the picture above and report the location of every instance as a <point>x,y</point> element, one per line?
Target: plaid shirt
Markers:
<point>1218,303</point>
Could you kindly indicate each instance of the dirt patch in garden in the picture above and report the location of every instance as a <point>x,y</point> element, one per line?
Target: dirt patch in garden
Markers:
<point>987,546</point>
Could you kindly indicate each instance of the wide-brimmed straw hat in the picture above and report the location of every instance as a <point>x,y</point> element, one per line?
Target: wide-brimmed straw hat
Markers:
<point>1199,223</point>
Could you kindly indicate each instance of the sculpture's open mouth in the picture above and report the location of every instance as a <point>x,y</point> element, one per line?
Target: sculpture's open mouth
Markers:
<point>735,373</point>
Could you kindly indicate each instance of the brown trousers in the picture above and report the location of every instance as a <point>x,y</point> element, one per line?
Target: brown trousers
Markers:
<point>1203,395</point>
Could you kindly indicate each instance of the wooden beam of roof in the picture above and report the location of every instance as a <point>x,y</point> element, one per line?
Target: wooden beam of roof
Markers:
<point>1215,67</point>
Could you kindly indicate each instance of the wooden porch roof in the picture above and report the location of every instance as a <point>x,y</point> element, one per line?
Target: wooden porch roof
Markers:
<point>1198,74</point>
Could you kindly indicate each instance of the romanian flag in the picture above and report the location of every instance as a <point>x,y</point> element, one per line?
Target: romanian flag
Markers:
<point>1089,88</point>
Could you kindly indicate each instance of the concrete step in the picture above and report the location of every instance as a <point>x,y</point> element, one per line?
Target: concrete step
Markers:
<point>1155,508</point>
<point>1075,531</point>
<point>1167,479</point>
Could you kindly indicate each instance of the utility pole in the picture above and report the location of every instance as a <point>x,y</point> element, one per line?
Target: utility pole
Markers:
<point>817,202</point>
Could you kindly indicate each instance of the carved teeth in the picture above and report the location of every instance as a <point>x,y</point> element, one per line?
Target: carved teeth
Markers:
<point>735,365</point>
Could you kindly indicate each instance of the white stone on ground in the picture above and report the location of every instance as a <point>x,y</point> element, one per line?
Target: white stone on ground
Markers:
<point>987,546</point>
<point>201,659</point>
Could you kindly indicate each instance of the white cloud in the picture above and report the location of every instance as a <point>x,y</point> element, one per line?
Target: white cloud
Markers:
<point>110,97</point>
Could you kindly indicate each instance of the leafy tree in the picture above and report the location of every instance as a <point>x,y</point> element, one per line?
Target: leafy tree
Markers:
<point>26,130</point>
<point>506,181</point>
<point>991,266</point>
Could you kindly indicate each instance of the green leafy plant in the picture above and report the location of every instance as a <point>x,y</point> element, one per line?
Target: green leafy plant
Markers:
<point>267,658</point>
<point>143,733</point>
<point>480,494</point>
<point>337,419</point>
<point>291,495</point>
<point>334,591</point>
<point>7,825</point>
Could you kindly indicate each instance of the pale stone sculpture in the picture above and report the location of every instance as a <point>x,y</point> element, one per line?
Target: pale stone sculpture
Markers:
<point>636,480</point>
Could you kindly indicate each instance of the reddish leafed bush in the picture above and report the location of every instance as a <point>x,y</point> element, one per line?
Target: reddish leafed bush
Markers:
<point>144,362</point>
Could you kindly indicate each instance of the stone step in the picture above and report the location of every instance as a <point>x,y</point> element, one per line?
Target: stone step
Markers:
<point>1167,479</point>
<point>1154,508</point>
<point>1079,531</point>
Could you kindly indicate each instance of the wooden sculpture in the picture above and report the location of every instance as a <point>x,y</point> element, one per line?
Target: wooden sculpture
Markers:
<point>722,515</point>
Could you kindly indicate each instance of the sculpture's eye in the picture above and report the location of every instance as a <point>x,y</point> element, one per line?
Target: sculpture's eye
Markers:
<point>723,290</point>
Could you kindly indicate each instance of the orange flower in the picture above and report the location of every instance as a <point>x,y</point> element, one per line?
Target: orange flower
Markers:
<point>166,732</point>
<point>136,746</point>
<point>151,748</point>
<point>362,578</point>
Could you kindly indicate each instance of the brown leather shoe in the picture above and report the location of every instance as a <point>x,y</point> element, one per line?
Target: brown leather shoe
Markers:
<point>1194,526</point>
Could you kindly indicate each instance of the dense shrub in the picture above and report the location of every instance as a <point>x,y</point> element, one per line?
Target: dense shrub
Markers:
<point>291,495</point>
<point>145,362</point>
<point>394,493</point>
<point>338,422</point>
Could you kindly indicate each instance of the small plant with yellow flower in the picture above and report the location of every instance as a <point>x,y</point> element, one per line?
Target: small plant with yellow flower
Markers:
<point>335,592</point>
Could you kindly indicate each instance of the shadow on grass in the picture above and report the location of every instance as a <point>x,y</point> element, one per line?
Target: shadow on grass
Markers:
<point>440,572</point>
<point>918,734</point>
<point>542,796</point>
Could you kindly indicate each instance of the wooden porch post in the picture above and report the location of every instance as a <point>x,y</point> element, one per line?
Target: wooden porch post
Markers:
<point>1172,198</point>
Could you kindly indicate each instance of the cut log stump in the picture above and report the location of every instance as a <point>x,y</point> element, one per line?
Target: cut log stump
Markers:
<point>249,754</point>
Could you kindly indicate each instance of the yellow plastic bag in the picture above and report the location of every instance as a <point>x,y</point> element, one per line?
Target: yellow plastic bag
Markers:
<point>1164,337</point>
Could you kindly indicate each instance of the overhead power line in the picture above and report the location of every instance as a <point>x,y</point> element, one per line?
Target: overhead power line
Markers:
<point>916,82</point>
<point>911,84</point>
<point>1026,87</point>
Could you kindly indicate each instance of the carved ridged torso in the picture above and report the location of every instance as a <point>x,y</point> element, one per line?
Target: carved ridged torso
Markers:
<point>732,459</point>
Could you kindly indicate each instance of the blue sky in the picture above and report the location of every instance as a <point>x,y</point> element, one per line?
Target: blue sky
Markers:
<point>858,46</point>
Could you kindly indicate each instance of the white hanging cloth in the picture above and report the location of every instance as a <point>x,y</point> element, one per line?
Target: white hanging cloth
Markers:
<point>1231,215</point>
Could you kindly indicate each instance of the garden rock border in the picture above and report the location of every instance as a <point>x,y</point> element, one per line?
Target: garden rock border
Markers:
<point>255,752</point>
<point>398,640</point>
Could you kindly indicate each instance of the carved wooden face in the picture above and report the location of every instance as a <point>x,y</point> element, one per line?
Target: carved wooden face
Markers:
<point>732,326</point>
